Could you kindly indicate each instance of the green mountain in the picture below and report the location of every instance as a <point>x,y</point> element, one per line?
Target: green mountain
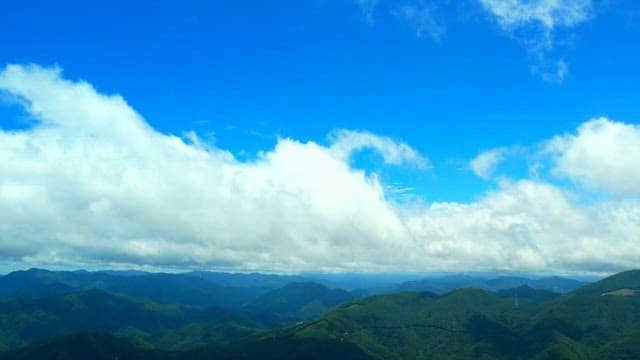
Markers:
<point>597,321</point>
<point>527,295</point>
<point>592,322</point>
<point>448,283</point>
<point>86,346</point>
<point>24,321</point>
<point>303,300</point>
<point>108,347</point>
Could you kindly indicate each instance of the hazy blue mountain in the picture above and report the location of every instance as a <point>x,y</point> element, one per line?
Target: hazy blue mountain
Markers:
<point>447,283</point>
<point>124,272</point>
<point>362,281</point>
<point>170,288</point>
<point>252,280</point>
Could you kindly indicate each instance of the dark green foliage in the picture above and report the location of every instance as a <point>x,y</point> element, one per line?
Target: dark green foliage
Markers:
<point>288,348</point>
<point>97,311</point>
<point>85,346</point>
<point>107,347</point>
<point>197,335</point>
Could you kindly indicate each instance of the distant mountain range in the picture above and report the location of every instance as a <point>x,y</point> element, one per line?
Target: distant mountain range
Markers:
<point>192,289</point>
<point>134,314</point>
<point>596,321</point>
<point>444,284</point>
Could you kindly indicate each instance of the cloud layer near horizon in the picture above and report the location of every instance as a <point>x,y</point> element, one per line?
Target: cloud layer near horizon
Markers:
<point>91,183</point>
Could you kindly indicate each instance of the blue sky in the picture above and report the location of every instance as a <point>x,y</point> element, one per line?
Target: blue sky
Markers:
<point>449,79</point>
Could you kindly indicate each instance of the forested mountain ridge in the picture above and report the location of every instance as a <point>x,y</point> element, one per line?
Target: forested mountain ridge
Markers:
<point>597,321</point>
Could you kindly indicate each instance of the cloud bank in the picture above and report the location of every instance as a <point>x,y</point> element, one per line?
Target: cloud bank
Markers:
<point>91,183</point>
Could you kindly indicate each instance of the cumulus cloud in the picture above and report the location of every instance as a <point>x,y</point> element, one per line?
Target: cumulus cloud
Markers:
<point>536,23</point>
<point>486,162</point>
<point>530,225</point>
<point>602,155</point>
<point>94,181</point>
<point>422,20</point>
<point>91,183</point>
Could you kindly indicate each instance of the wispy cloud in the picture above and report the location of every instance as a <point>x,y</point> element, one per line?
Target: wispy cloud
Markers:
<point>535,23</point>
<point>368,8</point>
<point>550,14</point>
<point>421,18</point>
<point>346,142</point>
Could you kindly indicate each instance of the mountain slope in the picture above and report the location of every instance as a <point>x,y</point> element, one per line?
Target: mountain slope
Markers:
<point>597,321</point>
<point>303,300</point>
<point>471,324</point>
<point>22,321</point>
<point>444,284</point>
<point>527,295</point>
<point>84,346</point>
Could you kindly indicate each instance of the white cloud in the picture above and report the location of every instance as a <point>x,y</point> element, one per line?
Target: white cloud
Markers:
<point>531,225</point>
<point>535,22</point>
<point>486,162</point>
<point>422,20</point>
<point>550,14</point>
<point>603,155</point>
<point>93,184</point>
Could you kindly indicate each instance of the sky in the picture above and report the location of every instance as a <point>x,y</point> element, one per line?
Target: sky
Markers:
<point>321,135</point>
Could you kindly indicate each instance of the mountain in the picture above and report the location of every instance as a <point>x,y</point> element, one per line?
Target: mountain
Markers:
<point>597,321</point>
<point>624,280</point>
<point>252,280</point>
<point>108,347</point>
<point>85,346</point>
<point>451,282</point>
<point>168,288</point>
<point>24,321</point>
<point>303,300</point>
<point>361,281</point>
